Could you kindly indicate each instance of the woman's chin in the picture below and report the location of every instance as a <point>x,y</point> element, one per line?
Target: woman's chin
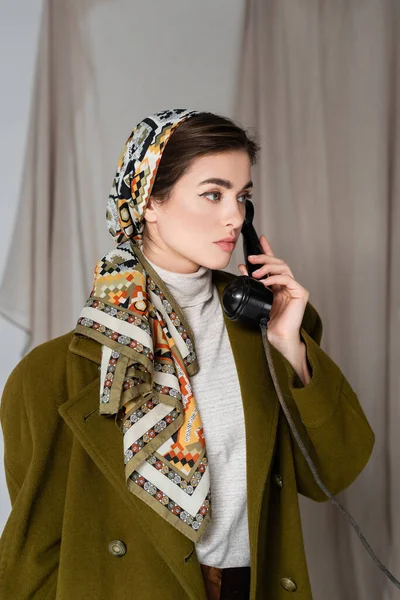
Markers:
<point>221,263</point>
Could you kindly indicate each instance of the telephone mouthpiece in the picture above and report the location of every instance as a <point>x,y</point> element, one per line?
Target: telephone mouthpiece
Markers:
<point>247,300</point>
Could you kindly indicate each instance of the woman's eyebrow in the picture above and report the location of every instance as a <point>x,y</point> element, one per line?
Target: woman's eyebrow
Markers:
<point>224,183</point>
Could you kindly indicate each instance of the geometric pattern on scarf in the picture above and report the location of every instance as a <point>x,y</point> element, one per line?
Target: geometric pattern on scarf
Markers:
<point>136,171</point>
<point>148,350</point>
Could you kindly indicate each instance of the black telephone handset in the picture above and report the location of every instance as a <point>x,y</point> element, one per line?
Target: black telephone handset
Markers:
<point>247,300</point>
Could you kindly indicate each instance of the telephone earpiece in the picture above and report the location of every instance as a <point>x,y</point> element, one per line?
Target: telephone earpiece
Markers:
<point>245,298</point>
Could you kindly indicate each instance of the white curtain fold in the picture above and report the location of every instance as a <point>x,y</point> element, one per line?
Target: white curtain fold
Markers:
<point>319,84</point>
<point>102,65</point>
<point>60,233</point>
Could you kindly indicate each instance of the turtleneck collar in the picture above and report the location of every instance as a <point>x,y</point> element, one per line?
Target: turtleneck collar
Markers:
<point>189,289</point>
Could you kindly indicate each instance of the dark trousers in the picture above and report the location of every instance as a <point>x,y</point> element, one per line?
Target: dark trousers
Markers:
<point>226,584</point>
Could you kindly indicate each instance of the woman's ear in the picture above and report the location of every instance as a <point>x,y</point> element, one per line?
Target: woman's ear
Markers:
<point>150,214</point>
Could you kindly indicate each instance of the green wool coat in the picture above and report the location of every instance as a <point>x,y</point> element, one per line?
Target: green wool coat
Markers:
<point>65,475</point>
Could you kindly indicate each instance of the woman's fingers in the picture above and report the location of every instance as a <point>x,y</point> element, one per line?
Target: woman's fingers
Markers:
<point>263,258</point>
<point>272,269</point>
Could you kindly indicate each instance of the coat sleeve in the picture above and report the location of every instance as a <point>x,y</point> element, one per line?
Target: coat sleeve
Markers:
<point>16,432</point>
<point>328,416</point>
<point>34,464</point>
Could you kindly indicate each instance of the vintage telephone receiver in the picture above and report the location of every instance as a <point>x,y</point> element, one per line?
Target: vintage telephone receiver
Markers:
<point>247,300</point>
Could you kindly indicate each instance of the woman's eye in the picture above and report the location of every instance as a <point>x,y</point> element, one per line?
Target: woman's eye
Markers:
<point>213,194</point>
<point>245,196</point>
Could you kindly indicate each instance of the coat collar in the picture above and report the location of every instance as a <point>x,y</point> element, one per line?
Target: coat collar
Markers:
<point>101,438</point>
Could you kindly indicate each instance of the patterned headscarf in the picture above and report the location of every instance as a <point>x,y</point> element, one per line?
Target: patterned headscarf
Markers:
<point>148,348</point>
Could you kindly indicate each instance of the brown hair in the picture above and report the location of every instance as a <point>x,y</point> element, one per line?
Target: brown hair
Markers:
<point>202,134</point>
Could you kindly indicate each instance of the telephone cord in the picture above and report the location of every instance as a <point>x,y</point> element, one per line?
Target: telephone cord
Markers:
<point>333,499</point>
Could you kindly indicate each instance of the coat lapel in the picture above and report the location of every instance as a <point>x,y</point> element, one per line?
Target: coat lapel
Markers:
<point>103,441</point>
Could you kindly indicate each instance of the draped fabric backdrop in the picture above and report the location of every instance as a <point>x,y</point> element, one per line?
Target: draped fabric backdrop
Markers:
<point>58,235</point>
<point>320,83</point>
<point>102,66</point>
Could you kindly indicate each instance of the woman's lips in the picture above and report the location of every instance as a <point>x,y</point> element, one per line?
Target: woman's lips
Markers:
<point>227,246</point>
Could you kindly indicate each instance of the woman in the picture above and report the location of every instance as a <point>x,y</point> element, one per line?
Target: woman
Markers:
<point>146,454</point>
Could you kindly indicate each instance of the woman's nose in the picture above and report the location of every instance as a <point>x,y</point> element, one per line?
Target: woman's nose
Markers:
<point>236,217</point>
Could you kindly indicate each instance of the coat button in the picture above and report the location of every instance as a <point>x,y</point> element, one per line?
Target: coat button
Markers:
<point>117,548</point>
<point>278,480</point>
<point>288,584</point>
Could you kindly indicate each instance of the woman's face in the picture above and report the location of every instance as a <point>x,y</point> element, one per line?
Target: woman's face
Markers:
<point>198,214</point>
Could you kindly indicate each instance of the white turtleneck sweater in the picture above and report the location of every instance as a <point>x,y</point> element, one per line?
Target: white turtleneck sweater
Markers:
<point>217,392</point>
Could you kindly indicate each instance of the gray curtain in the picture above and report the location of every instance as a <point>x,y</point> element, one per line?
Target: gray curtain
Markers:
<point>319,83</point>
<point>60,233</point>
<point>102,65</point>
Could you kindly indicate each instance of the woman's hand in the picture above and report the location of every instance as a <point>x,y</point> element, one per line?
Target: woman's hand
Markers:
<point>290,298</point>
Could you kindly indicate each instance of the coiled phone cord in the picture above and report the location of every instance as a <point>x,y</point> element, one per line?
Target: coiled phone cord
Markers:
<point>267,349</point>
